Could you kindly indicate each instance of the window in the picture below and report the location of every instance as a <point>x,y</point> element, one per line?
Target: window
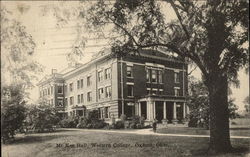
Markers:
<point>71,100</point>
<point>148,91</point>
<point>60,103</point>
<point>51,89</point>
<point>130,90</point>
<point>89,96</point>
<point>176,77</point>
<point>100,93</point>
<point>154,78</point>
<point>160,76</point>
<point>66,102</point>
<point>129,71</point>
<point>81,98</point>
<point>78,84</point>
<point>148,75</point>
<point>108,73</point>
<point>60,89</point>
<point>78,99</point>
<point>100,76</point>
<point>41,93</point>
<point>71,87</point>
<point>106,111</point>
<point>88,80</point>
<point>177,91</point>
<point>81,83</point>
<point>160,91</point>
<point>108,91</point>
<point>48,91</point>
<point>154,91</point>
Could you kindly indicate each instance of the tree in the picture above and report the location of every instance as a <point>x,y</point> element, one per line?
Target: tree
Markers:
<point>212,34</point>
<point>12,111</point>
<point>42,117</point>
<point>198,103</point>
<point>18,69</point>
<point>247,104</point>
<point>17,46</point>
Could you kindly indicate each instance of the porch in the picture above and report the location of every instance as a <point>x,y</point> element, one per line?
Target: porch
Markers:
<point>164,110</point>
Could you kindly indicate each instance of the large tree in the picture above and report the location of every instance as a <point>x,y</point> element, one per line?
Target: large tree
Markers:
<point>212,34</point>
<point>18,70</point>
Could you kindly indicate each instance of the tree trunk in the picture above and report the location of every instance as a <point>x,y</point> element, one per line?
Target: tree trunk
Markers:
<point>219,114</point>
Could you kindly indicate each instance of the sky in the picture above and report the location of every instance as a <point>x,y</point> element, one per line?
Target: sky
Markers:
<point>53,43</point>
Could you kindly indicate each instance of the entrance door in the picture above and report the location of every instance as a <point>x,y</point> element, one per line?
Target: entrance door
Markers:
<point>159,111</point>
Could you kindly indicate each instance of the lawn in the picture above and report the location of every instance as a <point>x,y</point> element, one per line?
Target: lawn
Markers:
<point>236,131</point>
<point>81,143</point>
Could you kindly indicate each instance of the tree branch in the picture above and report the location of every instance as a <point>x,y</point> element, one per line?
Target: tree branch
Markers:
<point>179,17</point>
<point>192,70</point>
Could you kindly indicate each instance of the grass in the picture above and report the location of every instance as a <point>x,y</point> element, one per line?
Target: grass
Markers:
<point>45,144</point>
<point>240,127</point>
<point>245,131</point>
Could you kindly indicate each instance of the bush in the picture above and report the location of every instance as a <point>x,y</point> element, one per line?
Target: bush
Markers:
<point>12,111</point>
<point>91,121</point>
<point>68,123</point>
<point>98,124</point>
<point>119,125</point>
<point>123,117</point>
<point>83,123</point>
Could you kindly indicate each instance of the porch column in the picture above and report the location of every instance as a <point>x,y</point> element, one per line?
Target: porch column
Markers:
<point>148,110</point>
<point>187,109</point>
<point>154,111</point>
<point>164,110</point>
<point>184,110</point>
<point>174,114</point>
<point>139,109</point>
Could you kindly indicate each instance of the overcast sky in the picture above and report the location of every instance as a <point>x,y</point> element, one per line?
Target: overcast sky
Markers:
<point>52,43</point>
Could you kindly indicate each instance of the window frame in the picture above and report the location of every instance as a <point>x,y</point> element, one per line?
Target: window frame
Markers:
<point>129,73</point>
<point>60,87</point>
<point>132,90</point>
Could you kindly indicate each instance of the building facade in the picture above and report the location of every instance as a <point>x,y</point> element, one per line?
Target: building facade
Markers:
<point>149,84</point>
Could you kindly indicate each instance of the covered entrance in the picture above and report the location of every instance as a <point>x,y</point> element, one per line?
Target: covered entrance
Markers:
<point>164,110</point>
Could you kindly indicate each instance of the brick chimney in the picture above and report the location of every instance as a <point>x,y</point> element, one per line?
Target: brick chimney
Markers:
<point>54,71</point>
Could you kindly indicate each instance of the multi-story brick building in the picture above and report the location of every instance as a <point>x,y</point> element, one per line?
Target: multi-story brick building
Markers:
<point>150,84</point>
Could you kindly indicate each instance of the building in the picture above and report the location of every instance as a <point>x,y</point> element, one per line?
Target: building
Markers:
<point>149,84</point>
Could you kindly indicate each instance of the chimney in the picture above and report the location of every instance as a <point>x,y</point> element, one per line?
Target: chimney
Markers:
<point>54,71</point>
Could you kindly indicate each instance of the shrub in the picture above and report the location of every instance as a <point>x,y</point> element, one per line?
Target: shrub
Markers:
<point>83,123</point>
<point>91,121</point>
<point>133,125</point>
<point>123,117</point>
<point>68,123</point>
<point>98,124</point>
<point>119,124</point>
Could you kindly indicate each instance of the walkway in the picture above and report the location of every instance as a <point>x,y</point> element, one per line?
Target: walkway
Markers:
<point>150,132</point>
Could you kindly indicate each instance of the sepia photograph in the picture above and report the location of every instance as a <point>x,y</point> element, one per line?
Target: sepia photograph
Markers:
<point>125,78</point>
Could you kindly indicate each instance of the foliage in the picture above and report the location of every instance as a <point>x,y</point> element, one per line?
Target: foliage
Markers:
<point>69,122</point>
<point>12,111</point>
<point>42,117</point>
<point>91,121</point>
<point>18,65</point>
<point>119,124</point>
<point>247,104</point>
<point>198,103</point>
<point>123,117</point>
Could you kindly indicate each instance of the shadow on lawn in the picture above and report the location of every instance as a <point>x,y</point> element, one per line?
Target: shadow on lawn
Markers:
<point>37,137</point>
<point>240,128</point>
<point>236,151</point>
